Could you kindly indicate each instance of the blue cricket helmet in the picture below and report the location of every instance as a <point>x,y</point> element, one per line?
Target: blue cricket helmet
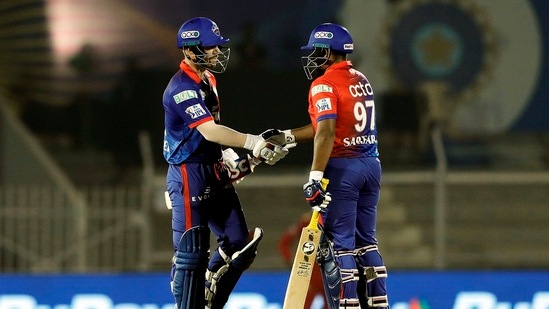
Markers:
<point>332,36</point>
<point>200,31</point>
<point>323,40</point>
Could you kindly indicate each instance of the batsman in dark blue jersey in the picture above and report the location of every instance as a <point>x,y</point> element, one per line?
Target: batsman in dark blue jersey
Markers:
<point>200,174</point>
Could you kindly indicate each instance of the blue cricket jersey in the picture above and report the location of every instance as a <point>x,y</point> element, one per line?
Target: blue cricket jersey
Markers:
<point>188,102</point>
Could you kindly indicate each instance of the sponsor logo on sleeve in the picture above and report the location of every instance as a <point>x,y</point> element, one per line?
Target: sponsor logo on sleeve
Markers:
<point>323,105</point>
<point>195,111</point>
<point>320,88</point>
<point>185,95</point>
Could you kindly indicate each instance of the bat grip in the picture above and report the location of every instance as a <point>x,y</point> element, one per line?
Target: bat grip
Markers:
<point>313,224</point>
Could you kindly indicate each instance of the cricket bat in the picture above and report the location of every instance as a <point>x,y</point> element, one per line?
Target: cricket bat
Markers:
<point>304,261</point>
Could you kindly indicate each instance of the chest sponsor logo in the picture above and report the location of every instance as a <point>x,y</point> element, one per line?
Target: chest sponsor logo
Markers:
<point>185,95</point>
<point>195,111</point>
<point>320,88</point>
<point>323,105</point>
<point>361,90</point>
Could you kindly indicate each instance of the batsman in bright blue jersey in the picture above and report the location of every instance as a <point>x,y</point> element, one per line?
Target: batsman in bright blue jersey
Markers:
<point>189,102</point>
<point>345,152</point>
<point>200,174</point>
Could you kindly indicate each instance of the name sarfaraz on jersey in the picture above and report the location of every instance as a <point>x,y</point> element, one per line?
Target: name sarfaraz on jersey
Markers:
<point>369,139</point>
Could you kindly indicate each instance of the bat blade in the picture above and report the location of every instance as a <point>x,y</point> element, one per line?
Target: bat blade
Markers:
<point>302,268</point>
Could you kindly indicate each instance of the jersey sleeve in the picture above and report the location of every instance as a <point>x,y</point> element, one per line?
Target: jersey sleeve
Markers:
<point>190,106</point>
<point>322,100</point>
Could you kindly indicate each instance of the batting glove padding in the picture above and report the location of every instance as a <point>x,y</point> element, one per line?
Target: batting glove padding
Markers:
<point>231,160</point>
<point>268,153</point>
<point>282,138</point>
<point>316,196</point>
<point>264,150</point>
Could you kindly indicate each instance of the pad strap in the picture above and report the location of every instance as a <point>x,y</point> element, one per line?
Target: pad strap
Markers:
<point>371,287</point>
<point>374,272</point>
<point>346,303</point>
<point>378,301</point>
<point>347,275</point>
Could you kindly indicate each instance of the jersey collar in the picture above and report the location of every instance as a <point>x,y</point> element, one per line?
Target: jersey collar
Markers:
<point>189,71</point>
<point>340,65</point>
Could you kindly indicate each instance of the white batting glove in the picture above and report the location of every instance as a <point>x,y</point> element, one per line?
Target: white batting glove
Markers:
<point>229,157</point>
<point>264,150</point>
<point>279,154</point>
<point>283,138</point>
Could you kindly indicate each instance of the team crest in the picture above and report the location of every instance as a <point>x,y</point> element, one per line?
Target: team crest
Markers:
<point>215,29</point>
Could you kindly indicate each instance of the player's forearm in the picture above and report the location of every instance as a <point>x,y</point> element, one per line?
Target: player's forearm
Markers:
<point>323,144</point>
<point>322,150</point>
<point>222,135</point>
<point>303,134</point>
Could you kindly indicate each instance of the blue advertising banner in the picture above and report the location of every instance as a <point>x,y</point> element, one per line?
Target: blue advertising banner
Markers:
<point>265,290</point>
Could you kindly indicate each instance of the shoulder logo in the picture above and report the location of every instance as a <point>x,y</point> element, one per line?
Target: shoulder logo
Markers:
<point>195,111</point>
<point>323,105</point>
<point>185,95</point>
<point>320,88</point>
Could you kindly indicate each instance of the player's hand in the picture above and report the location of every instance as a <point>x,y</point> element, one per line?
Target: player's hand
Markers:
<point>279,154</point>
<point>282,138</point>
<point>222,174</point>
<point>316,195</point>
<point>238,167</point>
<point>269,153</point>
<point>229,158</point>
<point>264,150</point>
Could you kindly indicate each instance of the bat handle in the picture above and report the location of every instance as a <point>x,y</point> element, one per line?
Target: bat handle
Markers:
<point>324,182</point>
<point>313,224</point>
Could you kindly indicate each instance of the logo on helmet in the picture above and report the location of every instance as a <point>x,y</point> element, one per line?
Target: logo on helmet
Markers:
<point>324,35</point>
<point>215,29</point>
<point>348,46</point>
<point>190,34</point>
